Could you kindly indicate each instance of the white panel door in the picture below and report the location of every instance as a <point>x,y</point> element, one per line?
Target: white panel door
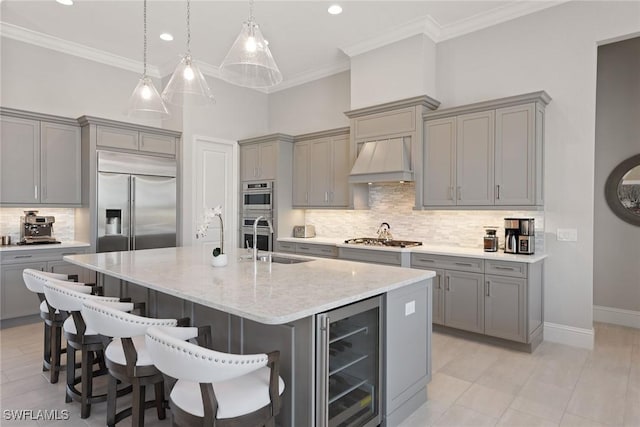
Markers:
<point>216,185</point>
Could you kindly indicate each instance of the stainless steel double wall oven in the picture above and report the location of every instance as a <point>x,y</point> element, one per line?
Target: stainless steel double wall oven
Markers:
<point>257,201</point>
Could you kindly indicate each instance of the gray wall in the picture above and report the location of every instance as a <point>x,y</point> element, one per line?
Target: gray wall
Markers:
<point>616,270</point>
<point>314,106</point>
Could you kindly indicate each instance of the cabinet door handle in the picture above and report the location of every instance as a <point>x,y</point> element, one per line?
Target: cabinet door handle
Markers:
<point>498,191</point>
<point>448,283</point>
<point>464,264</point>
<point>304,248</point>
<point>69,253</point>
<point>451,193</point>
<point>425,260</point>
<point>35,192</point>
<point>488,288</point>
<point>326,196</point>
<point>497,267</point>
<point>22,256</point>
<point>439,282</point>
<point>459,193</point>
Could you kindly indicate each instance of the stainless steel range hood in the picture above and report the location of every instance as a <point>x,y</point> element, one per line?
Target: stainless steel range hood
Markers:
<point>382,161</point>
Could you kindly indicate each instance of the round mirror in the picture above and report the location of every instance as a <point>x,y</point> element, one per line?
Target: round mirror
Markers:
<point>622,190</point>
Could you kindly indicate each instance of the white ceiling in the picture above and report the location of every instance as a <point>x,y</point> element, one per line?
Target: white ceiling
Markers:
<point>305,40</point>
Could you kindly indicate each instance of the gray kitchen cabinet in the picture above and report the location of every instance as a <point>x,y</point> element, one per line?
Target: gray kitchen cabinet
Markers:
<point>128,137</point>
<point>311,249</point>
<point>60,164</point>
<point>464,301</point>
<point>496,298</point>
<point>258,161</point>
<point>373,256</point>
<point>407,372</point>
<point>40,159</point>
<point>17,300</point>
<point>515,167</point>
<point>20,160</point>
<point>474,159</point>
<point>301,173</point>
<point>504,311</point>
<point>321,169</point>
<point>498,148</point>
<point>440,162</point>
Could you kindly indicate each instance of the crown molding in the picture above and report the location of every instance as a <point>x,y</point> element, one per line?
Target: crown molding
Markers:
<point>493,17</point>
<point>309,76</point>
<point>76,49</point>
<point>425,25</point>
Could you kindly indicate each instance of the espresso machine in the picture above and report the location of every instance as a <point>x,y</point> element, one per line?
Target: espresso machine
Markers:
<point>519,235</point>
<point>36,229</point>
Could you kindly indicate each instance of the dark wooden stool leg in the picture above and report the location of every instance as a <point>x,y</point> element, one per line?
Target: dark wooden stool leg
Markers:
<point>137,405</point>
<point>159,389</point>
<point>111,401</point>
<point>46,358</point>
<point>87,383</point>
<point>56,344</point>
<point>71,371</point>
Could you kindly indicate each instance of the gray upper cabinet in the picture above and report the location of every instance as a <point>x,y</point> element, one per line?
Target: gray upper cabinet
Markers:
<point>20,160</point>
<point>258,161</point>
<point>321,168</point>
<point>498,148</point>
<point>60,164</point>
<point>129,138</point>
<point>474,159</point>
<point>41,159</point>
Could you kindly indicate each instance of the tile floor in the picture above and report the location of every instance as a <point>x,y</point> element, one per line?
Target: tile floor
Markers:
<point>473,384</point>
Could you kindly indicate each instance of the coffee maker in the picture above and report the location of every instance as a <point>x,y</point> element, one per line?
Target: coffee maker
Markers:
<point>519,235</point>
<point>35,229</point>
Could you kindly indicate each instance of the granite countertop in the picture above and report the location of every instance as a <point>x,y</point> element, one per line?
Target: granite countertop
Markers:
<point>428,248</point>
<point>267,293</point>
<point>61,245</point>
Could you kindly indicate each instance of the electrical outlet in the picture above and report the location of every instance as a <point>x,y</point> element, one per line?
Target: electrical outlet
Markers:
<point>567,235</point>
<point>409,308</point>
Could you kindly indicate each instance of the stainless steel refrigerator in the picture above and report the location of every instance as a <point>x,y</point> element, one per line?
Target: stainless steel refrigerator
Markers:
<point>136,202</point>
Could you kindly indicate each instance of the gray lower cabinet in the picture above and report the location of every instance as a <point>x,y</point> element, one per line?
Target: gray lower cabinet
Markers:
<point>41,160</point>
<point>17,300</point>
<point>312,249</point>
<point>464,302</point>
<point>374,256</point>
<point>497,298</point>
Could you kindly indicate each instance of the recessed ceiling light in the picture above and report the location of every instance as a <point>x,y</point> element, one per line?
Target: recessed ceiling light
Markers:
<point>335,9</point>
<point>166,37</point>
<point>65,2</point>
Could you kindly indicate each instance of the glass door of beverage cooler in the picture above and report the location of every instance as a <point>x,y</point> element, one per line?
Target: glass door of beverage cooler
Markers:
<point>348,365</point>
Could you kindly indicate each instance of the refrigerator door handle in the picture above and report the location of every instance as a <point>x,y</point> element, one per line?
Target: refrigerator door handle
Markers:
<point>323,365</point>
<point>132,213</point>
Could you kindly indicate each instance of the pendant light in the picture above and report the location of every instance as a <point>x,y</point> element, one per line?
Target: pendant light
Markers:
<point>145,101</point>
<point>187,81</point>
<point>249,62</point>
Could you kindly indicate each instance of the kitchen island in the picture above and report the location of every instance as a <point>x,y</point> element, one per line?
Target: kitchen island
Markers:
<point>259,307</point>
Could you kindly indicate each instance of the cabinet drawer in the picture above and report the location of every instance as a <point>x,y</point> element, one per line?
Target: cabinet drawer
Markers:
<point>506,268</point>
<point>286,247</point>
<point>317,250</point>
<point>429,261</point>
<point>117,138</point>
<point>373,256</point>
<point>157,143</point>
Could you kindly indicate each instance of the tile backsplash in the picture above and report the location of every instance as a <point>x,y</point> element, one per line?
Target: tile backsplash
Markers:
<point>63,228</point>
<point>394,202</point>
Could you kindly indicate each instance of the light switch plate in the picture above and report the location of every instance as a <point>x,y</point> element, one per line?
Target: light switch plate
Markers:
<point>567,235</point>
<point>409,308</point>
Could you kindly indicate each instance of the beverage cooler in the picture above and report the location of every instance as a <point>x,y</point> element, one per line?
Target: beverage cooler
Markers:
<point>348,365</point>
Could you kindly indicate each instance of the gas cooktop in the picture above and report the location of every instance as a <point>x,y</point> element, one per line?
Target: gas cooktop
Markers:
<point>372,241</point>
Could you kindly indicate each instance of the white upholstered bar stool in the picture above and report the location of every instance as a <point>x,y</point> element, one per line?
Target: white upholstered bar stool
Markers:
<point>127,357</point>
<point>53,319</point>
<point>214,388</point>
<point>65,297</point>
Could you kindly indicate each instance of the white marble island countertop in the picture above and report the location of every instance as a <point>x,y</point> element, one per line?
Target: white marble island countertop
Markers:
<point>266,293</point>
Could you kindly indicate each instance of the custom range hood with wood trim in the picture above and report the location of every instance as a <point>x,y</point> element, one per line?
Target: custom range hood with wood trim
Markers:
<point>386,141</point>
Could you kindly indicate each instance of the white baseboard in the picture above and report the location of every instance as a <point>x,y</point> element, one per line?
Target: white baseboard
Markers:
<point>617,316</point>
<point>569,335</point>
